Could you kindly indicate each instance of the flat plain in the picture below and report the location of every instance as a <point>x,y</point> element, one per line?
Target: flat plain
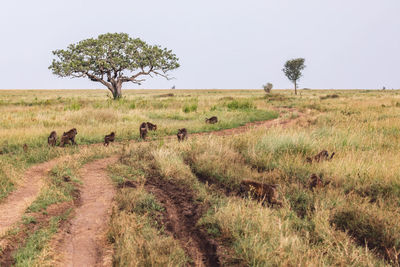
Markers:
<point>170,203</point>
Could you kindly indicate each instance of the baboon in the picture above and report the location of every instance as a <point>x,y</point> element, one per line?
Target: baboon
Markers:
<point>109,138</point>
<point>321,156</point>
<point>182,134</point>
<point>68,136</point>
<point>52,139</point>
<point>265,192</point>
<point>25,147</point>
<point>143,130</point>
<point>316,182</point>
<point>212,120</point>
<point>151,127</point>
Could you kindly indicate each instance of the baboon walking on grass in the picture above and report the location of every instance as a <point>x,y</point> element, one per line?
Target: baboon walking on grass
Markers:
<point>151,126</point>
<point>69,136</point>
<point>52,139</point>
<point>265,192</point>
<point>143,130</point>
<point>321,156</point>
<point>182,134</point>
<point>212,120</point>
<point>109,138</point>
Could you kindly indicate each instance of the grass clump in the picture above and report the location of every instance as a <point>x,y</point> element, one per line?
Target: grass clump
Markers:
<point>26,255</point>
<point>135,233</point>
<point>370,230</point>
<point>240,105</point>
<point>189,108</point>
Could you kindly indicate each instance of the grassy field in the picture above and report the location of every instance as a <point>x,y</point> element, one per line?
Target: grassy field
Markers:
<point>352,220</point>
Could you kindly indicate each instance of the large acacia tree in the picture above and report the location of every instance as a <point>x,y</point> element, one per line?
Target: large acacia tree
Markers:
<point>113,59</point>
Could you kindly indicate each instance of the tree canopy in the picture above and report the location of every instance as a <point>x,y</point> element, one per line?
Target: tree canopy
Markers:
<point>293,70</point>
<point>113,59</point>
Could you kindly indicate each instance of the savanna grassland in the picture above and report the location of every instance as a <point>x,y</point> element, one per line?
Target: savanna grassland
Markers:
<point>179,204</point>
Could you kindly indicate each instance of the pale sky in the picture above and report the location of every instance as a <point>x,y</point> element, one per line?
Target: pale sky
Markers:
<point>224,44</point>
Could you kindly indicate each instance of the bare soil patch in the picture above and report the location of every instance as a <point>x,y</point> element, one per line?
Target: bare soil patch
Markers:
<point>14,206</point>
<point>82,242</point>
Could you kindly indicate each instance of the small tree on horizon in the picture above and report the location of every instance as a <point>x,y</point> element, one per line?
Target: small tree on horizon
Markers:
<point>113,59</point>
<point>293,70</point>
<point>268,88</point>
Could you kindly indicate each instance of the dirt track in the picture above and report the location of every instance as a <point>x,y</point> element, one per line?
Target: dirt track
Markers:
<point>180,218</point>
<point>14,206</point>
<point>82,242</point>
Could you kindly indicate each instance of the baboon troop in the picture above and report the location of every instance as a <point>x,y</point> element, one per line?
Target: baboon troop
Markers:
<point>264,192</point>
<point>68,136</point>
<point>182,134</point>
<point>143,130</point>
<point>151,127</point>
<point>52,139</point>
<point>212,120</point>
<point>321,156</point>
<point>109,138</point>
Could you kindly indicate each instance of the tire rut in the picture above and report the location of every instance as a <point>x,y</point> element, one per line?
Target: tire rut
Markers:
<point>180,219</point>
<point>14,206</point>
<point>82,242</point>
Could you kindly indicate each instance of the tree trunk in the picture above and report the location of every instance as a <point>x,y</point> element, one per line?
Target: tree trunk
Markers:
<point>295,87</point>
<point>117,92</point>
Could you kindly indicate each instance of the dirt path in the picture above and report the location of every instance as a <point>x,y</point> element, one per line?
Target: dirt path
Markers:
<point>14,206</point>
<point>82,242</point>
<point>180,219</point>
<point>251,125</point>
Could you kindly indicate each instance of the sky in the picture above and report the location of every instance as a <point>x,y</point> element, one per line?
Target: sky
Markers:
<point>221,44</point>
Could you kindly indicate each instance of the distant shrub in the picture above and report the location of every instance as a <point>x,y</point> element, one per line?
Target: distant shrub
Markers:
<point>189,108</point>
<point>240,105</point>
<point>268,87</point>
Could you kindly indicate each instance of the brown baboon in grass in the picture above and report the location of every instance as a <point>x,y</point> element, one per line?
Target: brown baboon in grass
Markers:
<point>143,130</point>
<point>25,147</point>
<point>109,138</point>
<point>316,182</point>
<point>321,156</point>
<point>182,134</point>
<point>151,127</point>
<point>52,139</point>
<point>212,120</point>
<point>264,192</point>
<point>68,136</point>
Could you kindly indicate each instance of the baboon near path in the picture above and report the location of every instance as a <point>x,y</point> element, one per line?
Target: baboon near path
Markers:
<point>212,120</point>
<point>69,136</point>
<point>52,139</point>
<point>182,134</point>
<point>151,127</point>
<point>265,192</point>
<point>321,156</point>
<point>143,130</point>
<point>109,138</point>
